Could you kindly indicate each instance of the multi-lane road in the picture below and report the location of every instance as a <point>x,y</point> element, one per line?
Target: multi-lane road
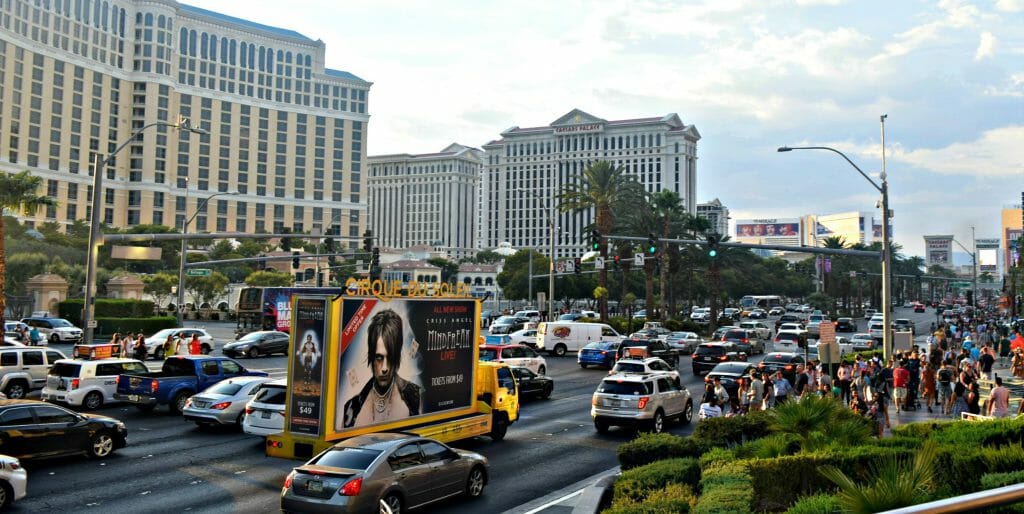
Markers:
<point>172,466</point>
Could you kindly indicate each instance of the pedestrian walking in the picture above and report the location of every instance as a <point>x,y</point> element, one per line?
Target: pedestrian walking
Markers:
<point>928,390</point>
<point>958,400</point>
<point>944,378</point>
<point>169,346</point>
<point>194,347</point>
<point>33,336</point>
<point>755,396</point>
<point>999,400</point>
<point>781,388</point>
<point>845,376</point>
<point>140,347</point>
<point>1017,363</point>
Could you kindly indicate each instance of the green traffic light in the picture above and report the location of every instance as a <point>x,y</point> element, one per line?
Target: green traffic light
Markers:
<point>712,253</point>
<point>653,249</point>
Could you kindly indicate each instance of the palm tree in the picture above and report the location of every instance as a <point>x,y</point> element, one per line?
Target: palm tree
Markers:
<point>671,215</point>
<point>18,194</point>
<point>894,482</point>
<point>602,186</point>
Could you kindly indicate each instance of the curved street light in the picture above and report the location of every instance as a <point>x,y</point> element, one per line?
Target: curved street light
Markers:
<point>882,188</point>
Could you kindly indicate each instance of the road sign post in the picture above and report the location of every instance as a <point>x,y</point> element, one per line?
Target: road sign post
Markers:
<point>198,272</point>
<point>598,262</point>
<point>638,259</point>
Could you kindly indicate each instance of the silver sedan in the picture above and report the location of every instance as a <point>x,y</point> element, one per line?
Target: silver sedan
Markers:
<point>401,470</point>
<point>224,402</point>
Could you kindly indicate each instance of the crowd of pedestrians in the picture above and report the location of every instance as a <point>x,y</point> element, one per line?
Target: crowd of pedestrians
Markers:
<point>945,375</point>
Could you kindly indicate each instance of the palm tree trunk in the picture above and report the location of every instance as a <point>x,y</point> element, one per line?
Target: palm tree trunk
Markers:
<point>649,285</point>
<point>622,294</point>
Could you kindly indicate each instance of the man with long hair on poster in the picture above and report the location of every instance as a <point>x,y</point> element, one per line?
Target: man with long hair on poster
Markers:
<point>387,396</point>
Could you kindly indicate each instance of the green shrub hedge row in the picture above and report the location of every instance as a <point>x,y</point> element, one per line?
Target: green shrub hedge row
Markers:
<point>718,432</point>
<point>817,504</point>
<point>726,489</point>
<point>648,448</point>
<point>147,326</point>
<point>71,310</point>
<point>671,498</point>
<point>638,483</point>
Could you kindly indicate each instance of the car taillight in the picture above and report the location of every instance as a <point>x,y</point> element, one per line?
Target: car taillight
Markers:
<point>789,367</point>
<point>288,480</point>
<point>220,406</point>
<point>188,402</point>
<point>642,402</point>
<point>723,358</point>
<point>154,385</point>
<point>15,465</point>
<point>75,383</point>
<point>593,400</point>
<point>746,341</point>
<point>248,410</point>
<point>117,380</point>
<point>694,356</point>
<point>352,487</point>
<point>604,352</point>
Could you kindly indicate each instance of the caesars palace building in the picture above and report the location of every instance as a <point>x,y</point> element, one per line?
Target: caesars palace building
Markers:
<point>78,77</point>
<point>527,167</point>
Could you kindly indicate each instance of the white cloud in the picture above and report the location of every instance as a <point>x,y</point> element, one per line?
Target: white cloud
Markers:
<point>955,15</point>
<point>986,47</point>
<point>1009,5</point>
<point>1015,87</point>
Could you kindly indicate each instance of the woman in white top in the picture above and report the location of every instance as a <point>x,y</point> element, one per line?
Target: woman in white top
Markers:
<point>181,346</point>
<point>710,409</point>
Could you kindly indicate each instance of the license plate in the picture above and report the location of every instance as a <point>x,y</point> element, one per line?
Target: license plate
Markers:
<point>614,403</point>
<point>200,405</point>
<point>265,414</point>
<point>133,397</point>
<point>315,486</point>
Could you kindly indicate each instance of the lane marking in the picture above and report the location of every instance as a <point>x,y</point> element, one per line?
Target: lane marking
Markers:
<point>552,503</point>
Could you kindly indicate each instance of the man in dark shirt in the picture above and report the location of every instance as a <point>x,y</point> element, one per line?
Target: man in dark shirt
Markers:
<point>800,381</point>
<point>986,361</point>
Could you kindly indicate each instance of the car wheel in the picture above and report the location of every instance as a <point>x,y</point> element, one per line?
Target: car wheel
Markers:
<point>159,354</point>
<point>6,495</point>
<point>178,405</point>
<point>560,350</point>
<point>394,502</point>
<point>206,349</point>
<point>583,366</point>
<point>253,352</point>
<point>546,393</point>
<point>499,427</point>
<point>600,426</point>
<point>658,423</point>
<point>476,482</point>
<point>687,416</point>
<point>101,445</point>
<point>15,390</point>
<point>542,370</point>
<point>54,339</point>
<point>93,400</point>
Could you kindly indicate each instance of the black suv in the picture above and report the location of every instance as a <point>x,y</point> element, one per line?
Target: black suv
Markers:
<point>709,355</point>
<point>655,348</point>
<point>846,325</point>
<point>781,361</point>
<point>789,318</point>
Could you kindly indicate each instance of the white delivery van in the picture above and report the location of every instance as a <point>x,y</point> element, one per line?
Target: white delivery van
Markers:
<point>559,337</point>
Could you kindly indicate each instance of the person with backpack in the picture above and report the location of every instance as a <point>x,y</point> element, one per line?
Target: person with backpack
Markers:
<point>958,400</point>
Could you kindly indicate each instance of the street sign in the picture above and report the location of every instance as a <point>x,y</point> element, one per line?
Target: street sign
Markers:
<point>570,267</point>
<point>598,262</point>
<point>638,259</point>
<point>826,332</point>
<point>92,324</point>
<point>560,266</point>
<point>198,272</point>
<point>853,274</point>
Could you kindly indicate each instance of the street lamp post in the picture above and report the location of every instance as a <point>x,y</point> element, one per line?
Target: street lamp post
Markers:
<point>882,188</point>
<point>184,245</point>
<point>95,232</point>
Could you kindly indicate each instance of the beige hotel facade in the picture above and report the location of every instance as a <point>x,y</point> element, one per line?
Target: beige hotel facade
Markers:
<point>78,77</point>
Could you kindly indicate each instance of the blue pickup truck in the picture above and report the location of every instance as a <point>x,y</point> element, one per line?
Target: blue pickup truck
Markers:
<point>180,378</point>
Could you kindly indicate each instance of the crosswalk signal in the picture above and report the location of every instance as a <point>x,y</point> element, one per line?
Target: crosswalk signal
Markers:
<point>295,260</point>
<point>286,242</point>
<point>595,240</point>
<point>576,266</point>
<point>375,263</point>
<point>652,244</point>
<point>617,260</point>
<point>367,241</point>
<point>712,245</point>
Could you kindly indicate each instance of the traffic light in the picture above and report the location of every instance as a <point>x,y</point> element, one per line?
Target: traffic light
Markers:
<point>576,266</point>
<point>652,244</point>
<point>295,260</point>
<point>368,241</point>
<point>375,263</point>
<point>595,240</point>
<point>616,261</point>
<point>329,244</point>
<point>712,245</point>
<point>286,242</point>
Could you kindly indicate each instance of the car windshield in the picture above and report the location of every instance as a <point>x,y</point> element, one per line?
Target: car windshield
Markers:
<point>710,350</point>
<point>629,367</point>
<point>65,369</point>
<point>625,388</point>
<point>730,368</point>
<point>275,394</point>
<point>504,320</point>
<point>782,336</point>
<point>349,458</point>
<point>777,358</point>
<point>163,333</point>
<point>601,345</point>
<point>61,323</point>
<point>488,354</point>
<point>248,338</point>
<point>225,388</point>
<point>736,334</point>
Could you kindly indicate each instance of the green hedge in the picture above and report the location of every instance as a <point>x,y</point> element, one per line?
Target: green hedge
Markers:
<point>963,466</point>
<point>731,431</point>
<point>817,504</point>
<point>801,473</point>
<point>726,489</point>
<point>148,326</point>
<point>638,483</point>
<point>715,455</point>
<point>672,498</point>
<point>647,448</point>
<point>71,310</point>
<point>994,480</point>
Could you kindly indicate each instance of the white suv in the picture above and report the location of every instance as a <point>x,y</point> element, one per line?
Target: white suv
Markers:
<point>13,481</point>
<point>56,330</point>
<point>88,384</point>
<point>700,314</point>
<point>642,400</point>
<point>265,412</point>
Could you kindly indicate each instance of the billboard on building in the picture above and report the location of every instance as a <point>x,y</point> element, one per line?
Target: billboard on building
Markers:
<point>938,250</point>
<point>988,255</point>
<point>768,228</point>
<point>1013,236</point>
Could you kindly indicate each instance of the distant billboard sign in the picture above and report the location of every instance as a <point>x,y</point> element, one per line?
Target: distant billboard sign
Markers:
<point>988,259</point>
<point>1013,236</point>
<point>788,227</point>
<point>938,250</point>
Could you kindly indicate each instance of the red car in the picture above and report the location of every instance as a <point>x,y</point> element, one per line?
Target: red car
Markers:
<point>918,307</point>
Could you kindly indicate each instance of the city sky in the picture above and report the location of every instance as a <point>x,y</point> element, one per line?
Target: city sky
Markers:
<point>751,75</point>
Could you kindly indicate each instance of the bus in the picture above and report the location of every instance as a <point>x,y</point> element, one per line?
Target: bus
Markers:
<point>765,302</point>
<point>270,308</point>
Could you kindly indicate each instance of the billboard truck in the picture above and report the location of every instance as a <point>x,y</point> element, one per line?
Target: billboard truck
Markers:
<point>383,358</point>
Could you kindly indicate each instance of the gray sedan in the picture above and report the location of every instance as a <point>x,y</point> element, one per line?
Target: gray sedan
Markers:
<point>404,471</point>
<point>224,402</point>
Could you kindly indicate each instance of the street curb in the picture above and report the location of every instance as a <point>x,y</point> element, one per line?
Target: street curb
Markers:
<point>578,488</point>
<point>596,496</point>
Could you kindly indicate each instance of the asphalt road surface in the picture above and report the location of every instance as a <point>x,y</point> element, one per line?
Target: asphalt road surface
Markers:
<point>170,465</point>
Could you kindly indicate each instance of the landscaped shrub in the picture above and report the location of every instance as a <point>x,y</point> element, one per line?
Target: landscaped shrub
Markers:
<point>714,455</point>
<point>731,431</point>
<point>920,430</point>
<point>990,433</point>
<point>672,498</point>
<point>638,483</point>
<point>817,504</point>
<point>726,489</point>
<point>148,326</point>
<point>994,480</point>
<point>775,445</point>
<point>683,326</point>
<point>961,467</point>
<point>71,310</point>
<point>647,448</point>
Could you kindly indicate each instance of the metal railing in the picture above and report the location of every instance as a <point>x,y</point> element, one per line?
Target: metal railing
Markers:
<point>969,502</point>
